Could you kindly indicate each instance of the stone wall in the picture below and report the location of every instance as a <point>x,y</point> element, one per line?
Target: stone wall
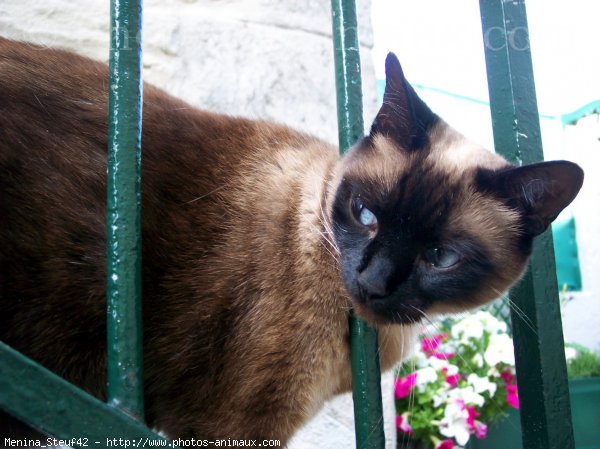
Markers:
<point>255,58</point>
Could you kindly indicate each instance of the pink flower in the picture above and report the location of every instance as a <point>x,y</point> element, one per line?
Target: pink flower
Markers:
<point>472,415</point>
<point>507,377</point>
<point>453,379</point>
<point>512,396</point>
<point>480,430</point>
<point>429,345</point>
<point>512,393</point>
<point>476,427</point>
<point>402,425</point>
<point>404,385</point>
<point>446,444</point>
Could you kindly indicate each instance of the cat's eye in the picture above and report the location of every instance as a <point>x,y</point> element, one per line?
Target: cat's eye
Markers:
<point>364,216</point>
<point>441,257</point>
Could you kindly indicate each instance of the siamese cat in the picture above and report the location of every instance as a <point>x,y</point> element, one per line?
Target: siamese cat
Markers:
<point>258,241</point>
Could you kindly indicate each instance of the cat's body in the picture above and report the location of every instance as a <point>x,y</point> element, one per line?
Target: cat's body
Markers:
<point>256,243</point>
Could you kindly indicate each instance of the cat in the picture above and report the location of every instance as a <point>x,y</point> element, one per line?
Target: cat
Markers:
<point>258,241</point>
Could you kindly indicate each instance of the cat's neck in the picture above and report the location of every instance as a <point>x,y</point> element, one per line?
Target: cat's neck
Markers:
<point>316,230</point>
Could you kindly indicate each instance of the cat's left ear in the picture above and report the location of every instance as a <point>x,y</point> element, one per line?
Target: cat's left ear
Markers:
<point>541,191</point>
<point>403,115</point>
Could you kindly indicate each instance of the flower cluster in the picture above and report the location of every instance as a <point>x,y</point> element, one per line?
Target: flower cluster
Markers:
<point>460,379</point>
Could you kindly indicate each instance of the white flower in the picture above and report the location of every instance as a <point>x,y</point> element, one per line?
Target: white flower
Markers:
<point>570,353</point>
<point>468,327</point>
<point>437,364</point>
<point>425,376</point>
<point>420,358</point>
<point>451,370</point>
<point>474,325</point>
<point>493,372</point>
<point>440,396</point>
<point>500,349</point>
<point>478,360</point>
<point>454,424</point>
<point>467,395</point>
<point>481,384</point>
<point>492,324</point>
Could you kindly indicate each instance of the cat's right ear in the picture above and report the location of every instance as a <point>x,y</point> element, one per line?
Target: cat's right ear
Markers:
<point>403,116</point>
<point>540,191</point>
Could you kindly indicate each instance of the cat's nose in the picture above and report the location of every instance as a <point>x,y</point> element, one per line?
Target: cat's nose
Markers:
<point>374,279</point>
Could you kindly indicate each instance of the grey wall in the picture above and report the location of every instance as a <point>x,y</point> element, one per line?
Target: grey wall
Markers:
<point>256,58</point>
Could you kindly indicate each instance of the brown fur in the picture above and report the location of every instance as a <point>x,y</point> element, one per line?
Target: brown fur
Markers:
<point>245,317</point>
<point>244,307</point>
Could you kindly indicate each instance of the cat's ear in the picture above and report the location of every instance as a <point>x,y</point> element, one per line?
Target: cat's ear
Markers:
<point>403,115</point>
<point>541,191</point>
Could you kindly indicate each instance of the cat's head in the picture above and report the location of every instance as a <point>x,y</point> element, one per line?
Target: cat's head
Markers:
<point>427,221</point>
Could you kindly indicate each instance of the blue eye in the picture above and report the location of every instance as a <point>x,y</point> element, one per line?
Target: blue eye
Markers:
<point>364,215</point>
<point>441,257</point>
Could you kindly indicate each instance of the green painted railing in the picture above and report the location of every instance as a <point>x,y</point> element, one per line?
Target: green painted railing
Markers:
<point>535,312</point>
<point>49,403</point>
<point>366,377</point>
<point>29,391</point>
<point>583,111</point>
<point>124,246</point>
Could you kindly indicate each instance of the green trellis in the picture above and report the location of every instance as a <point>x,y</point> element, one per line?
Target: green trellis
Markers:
<point>49,403</point>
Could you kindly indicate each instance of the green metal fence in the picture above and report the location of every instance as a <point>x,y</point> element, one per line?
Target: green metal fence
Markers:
<point>49,403</point>
<point>31,392</point>
<point>124,245</point>
<point>366,377</point>
<point>539,347</point>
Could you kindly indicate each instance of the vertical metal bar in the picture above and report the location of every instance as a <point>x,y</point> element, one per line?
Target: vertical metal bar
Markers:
<point>347,73</point>
<point>539,346</point>
<point>125,379</point>
<point>366,376</point>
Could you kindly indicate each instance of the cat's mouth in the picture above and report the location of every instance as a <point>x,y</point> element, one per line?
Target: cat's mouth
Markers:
<point>388,309</point>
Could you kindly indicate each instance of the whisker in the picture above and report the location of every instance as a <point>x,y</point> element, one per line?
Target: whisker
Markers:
<point>518,311</point>
<point>331,248</point>
<point>206,194</point>
<point>323,219</point>
<point>522,315</point>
